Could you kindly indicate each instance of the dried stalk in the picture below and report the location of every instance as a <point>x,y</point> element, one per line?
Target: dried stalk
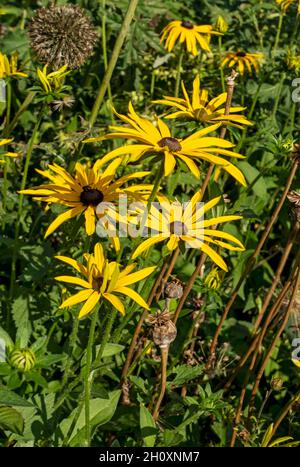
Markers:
<point>274,342</point>
<point>251,262</point>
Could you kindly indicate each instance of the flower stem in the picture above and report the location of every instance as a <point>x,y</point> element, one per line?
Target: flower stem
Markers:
<point>21,197</point>
<point>164,360</point>
<point>113,60</point>
<point>105,338</point>
<point>87,378</point>
<point>178,75</point>
<point>279,27</point>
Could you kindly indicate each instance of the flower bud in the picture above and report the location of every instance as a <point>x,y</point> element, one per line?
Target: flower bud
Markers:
<point>221,25</point>
<point>22,359</point>
<point>276,384</point>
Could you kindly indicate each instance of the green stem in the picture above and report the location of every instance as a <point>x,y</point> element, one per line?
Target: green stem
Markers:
<point>104,50</point>
<point>244,133</point>
<point>20,204</point>
<point>113,60</point>
<point>220,64</point>
<point>21,109</point>
<point>178,75</point>
<point>87,378</point>
<point>7,161</point>
<point>106,336</point>
<point>152,86</point>
<point>276,103</point>
<point>279,27</point>
<point>157,181</point>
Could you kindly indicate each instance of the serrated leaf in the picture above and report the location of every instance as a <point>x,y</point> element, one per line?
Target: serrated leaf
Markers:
<point>8,397</point>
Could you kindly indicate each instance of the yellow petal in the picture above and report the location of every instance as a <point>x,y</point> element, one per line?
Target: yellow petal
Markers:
<point>147,244</point>
<point>65,216</point>
<point>134,296</point>
<point>74,280</point>
<point>89,304</point>
<point>216,258</point>
<point>77,298</point>
<point>115,301</point>
<point>135,277</point>
<point>89,215</point>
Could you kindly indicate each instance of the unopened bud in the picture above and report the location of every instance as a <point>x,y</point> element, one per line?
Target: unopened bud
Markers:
<point>221,25</point>
<point>22,359</point>
<point>276,384</point>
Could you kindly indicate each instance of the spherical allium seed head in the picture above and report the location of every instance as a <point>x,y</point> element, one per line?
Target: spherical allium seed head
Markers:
<point>62,35</point>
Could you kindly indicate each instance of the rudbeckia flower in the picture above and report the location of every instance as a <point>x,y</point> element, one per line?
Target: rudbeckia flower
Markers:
<point>284,4</point>
<point>102,280</point>
<point>5,141</point>
<point>10,67</point>
<point>176,223</point>
<point>199,108</point>
<point>243,60</point>
<point>191,34</point>
<point>158,139</point>
<point>52,81</point>
<point>85,191</point>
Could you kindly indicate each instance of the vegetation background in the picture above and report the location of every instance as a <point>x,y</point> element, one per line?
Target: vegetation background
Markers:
<point>41,393</point>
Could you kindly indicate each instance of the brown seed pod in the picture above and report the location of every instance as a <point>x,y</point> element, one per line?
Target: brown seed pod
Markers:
<point>62,35</point>
<point>294,199</point>
<point>174,289</point>
<point>164,335</point>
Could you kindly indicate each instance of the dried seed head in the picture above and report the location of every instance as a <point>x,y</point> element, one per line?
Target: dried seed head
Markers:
<point>296,152</point>
<point>174,289</point>
<point>276,384</point>
<point>62,35</point>
<point>164,335</point>
<point>294,199</point>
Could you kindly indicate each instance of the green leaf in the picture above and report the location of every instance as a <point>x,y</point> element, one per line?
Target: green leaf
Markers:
<point>110,349</point>
<point>185,373</point>
<point>101,411</point>
<point>21,318</point>
<point>148,427</point>
<point>11,419</point>
<point>253,176</point>
<point>11,398</point>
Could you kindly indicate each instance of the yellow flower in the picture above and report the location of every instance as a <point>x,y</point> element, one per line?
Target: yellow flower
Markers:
<point>177,223</point>
<point>102,280</point>
<point>213,279</point>
<point>284,4</point>
<point>221,25</point>
<point>186,31</point>
<point>85,191</point>
<point>52,81</point>
<point>243,60</point>
<point>293,61</point>
<point>10,68</point>
<point>199,108</point>
<point>158,139</point>
<point>296,362</point>
<point>8,153</point>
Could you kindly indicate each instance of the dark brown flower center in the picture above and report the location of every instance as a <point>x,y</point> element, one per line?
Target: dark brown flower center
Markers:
<point>91,196</point>
<point>178,228</point>
<point>187,24</point>
<point>97,283</point>
<point>241,54</point>
<point>171,143</point>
